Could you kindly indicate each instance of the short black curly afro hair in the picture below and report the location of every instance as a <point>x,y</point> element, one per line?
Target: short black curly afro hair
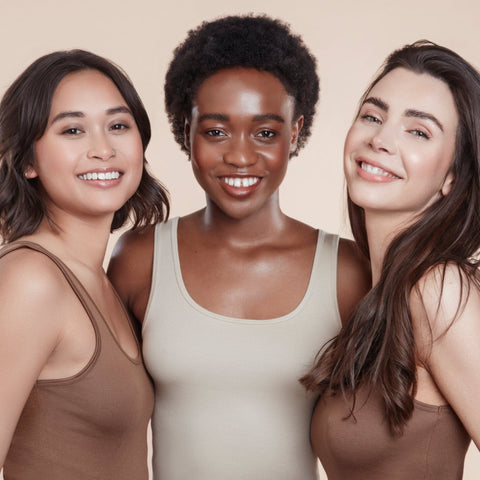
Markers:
<point>247,41</point>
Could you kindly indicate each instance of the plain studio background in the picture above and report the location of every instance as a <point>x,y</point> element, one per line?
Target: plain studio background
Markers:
<point>349,38</point>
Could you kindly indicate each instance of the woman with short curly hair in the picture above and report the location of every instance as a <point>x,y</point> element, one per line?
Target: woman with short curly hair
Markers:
<point>234,297</point>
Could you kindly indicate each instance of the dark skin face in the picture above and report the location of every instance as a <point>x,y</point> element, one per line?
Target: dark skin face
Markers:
<point>240,135</point>
<point>241,248</point>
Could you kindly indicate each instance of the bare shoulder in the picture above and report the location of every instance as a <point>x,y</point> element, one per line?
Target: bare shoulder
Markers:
<point>29,274</point>
<point>353,277</point>
<point>32,289</point>
<point>130,268</point>
<point>443,295</point>
<point>445,306</point>
<point>33,308</point>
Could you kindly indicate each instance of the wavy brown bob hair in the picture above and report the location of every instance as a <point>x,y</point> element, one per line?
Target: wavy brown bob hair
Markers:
<point>24,112</point>
<point>376,348</point>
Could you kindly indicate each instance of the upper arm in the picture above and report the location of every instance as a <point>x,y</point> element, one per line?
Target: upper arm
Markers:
<point>29,331</point>
<point>447,333</point>
<point>130,269</point>
<point>353,277</point>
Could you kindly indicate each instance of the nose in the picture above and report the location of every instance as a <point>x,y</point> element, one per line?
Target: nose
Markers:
<point>382,140</point>
<point>100,147</point>
<point>240,153</point>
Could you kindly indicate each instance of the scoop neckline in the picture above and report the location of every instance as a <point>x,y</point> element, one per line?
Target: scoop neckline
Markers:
<point>225,318</point>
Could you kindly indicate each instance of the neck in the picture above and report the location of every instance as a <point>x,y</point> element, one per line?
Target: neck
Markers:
<point>381,230</point>
<point>76,240</point>
<point>262,225</point>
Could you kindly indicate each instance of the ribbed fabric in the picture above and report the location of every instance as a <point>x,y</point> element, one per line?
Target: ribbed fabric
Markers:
<point>228,401</point>
<point>433,445</point>
<point>92,425</point>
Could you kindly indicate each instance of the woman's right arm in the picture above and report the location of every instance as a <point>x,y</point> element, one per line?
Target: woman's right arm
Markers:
<point>29,332</point>
<point>130,269</point>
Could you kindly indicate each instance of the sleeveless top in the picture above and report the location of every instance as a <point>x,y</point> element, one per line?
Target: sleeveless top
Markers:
<point>432,447</point>
<point>228,404</point>
<point>92,425</point>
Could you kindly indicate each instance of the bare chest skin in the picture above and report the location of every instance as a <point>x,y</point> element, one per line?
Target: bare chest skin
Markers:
<point>264,277</point>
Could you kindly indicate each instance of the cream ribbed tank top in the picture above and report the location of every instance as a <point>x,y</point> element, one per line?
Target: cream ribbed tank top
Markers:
<point>228,404</point>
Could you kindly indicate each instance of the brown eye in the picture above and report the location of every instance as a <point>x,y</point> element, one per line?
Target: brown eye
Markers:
<point>71,131</point>
<point>215,133</point>
<point>266,134</point>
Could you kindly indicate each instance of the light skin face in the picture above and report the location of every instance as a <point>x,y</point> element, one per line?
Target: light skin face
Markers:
<point>89,159</point>
<point>399,150</point>
<point>240,135</point>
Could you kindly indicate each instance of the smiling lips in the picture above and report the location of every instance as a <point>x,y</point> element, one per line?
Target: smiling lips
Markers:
<point>373,173</point>
<point>239,182</point>
<point>240,186</point>
<point>100,176</point>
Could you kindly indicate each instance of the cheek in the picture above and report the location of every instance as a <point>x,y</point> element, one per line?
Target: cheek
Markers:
<point>352,141</point>
<point>432,165</point>
<point>202,150</point>
<point>50,157</point>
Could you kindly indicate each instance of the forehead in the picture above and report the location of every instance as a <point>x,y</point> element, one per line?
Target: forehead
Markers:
<point>240,89</point>
<point>403,89</point>
<point>86,87</point>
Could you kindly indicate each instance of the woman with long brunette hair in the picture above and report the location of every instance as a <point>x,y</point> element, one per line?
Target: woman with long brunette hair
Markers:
<point>400,384</point>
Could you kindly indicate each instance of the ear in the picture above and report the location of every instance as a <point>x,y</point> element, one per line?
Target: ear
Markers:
<point>30,173</point>
<point>186,134</point>
<point>296,129</point>
<point>447,184</point>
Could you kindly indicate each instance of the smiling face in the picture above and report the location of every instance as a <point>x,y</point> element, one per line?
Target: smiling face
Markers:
<point>400,148</point>
<point>89,159</point>
<point>240,136</point>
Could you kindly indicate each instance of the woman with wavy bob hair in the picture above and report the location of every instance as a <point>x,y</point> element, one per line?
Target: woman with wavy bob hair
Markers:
<point>399,385</point>
<point>76,399</point>
<point>23,119</point>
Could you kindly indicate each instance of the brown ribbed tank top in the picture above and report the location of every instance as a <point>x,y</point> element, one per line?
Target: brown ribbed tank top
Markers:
<point>432,447</point>
<point>92,425</point>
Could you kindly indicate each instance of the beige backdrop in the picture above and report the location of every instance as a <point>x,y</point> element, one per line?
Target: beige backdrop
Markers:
<point>350,39</point>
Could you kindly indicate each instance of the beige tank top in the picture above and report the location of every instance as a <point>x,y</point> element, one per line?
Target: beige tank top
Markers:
<point>92,425</point>
<point>228,404</point>
<point>433,445</point>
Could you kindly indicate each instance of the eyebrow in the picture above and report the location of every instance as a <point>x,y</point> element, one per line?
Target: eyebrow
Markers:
<point>225,118</point>
<point>75,114</point>
<point>424,115</point>
<point>377,102</point>
<point>411,112</point>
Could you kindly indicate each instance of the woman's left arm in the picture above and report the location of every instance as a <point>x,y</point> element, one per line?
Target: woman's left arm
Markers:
<point>452,334</point>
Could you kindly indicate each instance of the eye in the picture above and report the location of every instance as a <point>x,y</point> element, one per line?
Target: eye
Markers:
<point>71,131</point>
<point>215,133</point>
<point>420,134</point>
<point>266,134</point>
<point>119,126</point>
<point>371,118</point>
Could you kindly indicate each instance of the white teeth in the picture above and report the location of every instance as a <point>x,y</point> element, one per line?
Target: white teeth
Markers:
<point>238,182</point>
<point>100,176</point>
<point>376,170</point>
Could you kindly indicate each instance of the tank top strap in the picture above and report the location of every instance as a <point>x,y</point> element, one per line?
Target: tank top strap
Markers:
<point>324,279</point>
<point>79,290</point>
<point>163,271</point>
<point>327,252</point>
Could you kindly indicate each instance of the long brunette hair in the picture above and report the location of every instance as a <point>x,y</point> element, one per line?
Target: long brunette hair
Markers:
<point>376,348</point>
<point>24,111</point>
